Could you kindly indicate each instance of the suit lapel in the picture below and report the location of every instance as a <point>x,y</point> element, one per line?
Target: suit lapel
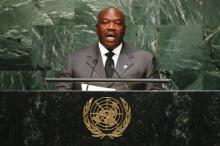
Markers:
<point>99,69</point>
<point>125,62</point>
<point>94,59</point>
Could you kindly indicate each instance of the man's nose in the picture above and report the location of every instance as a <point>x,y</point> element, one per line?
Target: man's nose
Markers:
<point>111,26</point>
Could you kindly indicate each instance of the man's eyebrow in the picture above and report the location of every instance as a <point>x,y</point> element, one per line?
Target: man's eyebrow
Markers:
<point>112,20</point>
<point>118,20</point>
<point>105,18</point>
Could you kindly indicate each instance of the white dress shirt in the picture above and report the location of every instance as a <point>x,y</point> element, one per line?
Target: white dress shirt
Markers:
<point>116,51</point>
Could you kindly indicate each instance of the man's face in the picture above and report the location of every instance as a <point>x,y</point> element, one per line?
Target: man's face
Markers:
<point>111,27</point>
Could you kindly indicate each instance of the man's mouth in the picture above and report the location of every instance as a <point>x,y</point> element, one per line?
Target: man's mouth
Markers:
<point>110,37</point>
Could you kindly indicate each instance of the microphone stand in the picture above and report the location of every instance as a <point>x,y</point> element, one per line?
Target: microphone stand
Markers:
<point>93,69</point>
<point>126,85</point>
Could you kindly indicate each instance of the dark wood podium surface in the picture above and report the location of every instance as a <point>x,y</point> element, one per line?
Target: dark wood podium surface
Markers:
<point>158,118</point>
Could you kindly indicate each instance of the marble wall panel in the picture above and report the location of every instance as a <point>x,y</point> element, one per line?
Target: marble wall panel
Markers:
<point>211,13</point>
<point>36,35</point>
<point>181,53</point>
<point>15,80</point>
<point>26,80</point>
<point>181,12</point>
<point>211,42</point>
<point>15,52</point>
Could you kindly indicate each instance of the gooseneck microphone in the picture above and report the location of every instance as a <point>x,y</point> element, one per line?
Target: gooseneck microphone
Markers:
<point>126,85</point>
<point>92,71</point>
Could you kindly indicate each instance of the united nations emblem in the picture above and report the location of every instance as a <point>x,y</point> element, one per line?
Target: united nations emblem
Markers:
<point>106,116</point>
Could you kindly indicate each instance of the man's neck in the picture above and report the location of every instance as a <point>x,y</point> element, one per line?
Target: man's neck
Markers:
<point>116,51</point>
<point>101,46</point>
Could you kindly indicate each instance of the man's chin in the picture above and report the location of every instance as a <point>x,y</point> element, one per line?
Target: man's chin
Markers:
<point>111,45</point>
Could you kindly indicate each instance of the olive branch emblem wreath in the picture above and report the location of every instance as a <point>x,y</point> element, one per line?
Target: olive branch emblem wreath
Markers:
<point>110,115</point>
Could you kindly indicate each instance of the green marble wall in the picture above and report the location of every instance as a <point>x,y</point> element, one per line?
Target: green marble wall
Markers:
<point>35,35</point>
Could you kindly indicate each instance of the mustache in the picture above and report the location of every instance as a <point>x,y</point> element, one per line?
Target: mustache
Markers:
<point>110,34</point>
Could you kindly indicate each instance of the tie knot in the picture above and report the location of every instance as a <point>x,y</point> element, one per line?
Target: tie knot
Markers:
<point>109,54</point>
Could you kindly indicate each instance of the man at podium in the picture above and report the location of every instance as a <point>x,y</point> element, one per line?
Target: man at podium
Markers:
<point>110,57</point>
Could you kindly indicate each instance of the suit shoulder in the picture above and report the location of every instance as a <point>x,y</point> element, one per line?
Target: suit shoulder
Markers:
<point>145,53</point>
<point>137,50</point>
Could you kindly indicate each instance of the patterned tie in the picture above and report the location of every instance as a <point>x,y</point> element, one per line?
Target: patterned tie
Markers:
<point>109,64</point>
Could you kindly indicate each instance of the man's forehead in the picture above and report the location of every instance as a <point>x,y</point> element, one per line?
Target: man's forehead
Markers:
<point>111,12</point>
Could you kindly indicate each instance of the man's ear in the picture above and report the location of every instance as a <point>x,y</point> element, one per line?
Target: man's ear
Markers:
<point>125,29</point>
<point>96,25</point>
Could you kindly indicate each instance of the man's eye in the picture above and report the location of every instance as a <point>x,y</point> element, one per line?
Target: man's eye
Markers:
<point>104,21</point>
<point>118,22</point>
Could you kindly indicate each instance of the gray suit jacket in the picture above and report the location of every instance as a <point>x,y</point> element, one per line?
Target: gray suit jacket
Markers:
<point>132,63</point>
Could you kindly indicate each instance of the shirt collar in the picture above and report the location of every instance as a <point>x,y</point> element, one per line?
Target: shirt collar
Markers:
<point>116,50</point>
